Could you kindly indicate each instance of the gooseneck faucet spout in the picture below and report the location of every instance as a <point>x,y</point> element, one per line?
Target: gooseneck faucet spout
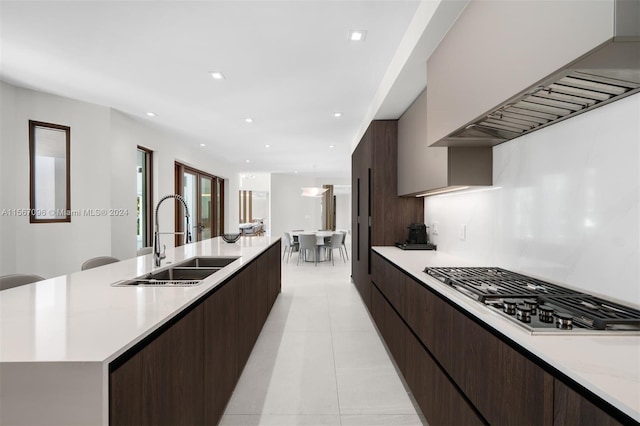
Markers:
<point>157,255</point>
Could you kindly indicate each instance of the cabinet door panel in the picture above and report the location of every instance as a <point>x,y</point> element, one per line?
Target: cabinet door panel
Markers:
<point>437,397</point>
<point>173,370</point>
<point>275,272</point>
<point>247,313</point>
<point>390,280</point>
<point>488,370</point>
<point>220,350</point>
<point>390,326</point>
<point>261,288</point>
<point>126,398</point>
<point>570,408</point>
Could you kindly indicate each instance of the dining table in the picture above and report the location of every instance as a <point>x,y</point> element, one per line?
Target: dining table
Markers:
<point>321,237</point>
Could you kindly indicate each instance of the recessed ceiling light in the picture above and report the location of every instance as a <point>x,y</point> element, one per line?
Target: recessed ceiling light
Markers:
<point>152,114</point>
<point>249,120</point>
<point>202,144</point>
<point>337,114</point>
<point>357,35</point>
<point>267,146</point>
<point>217,75</point>
<point>247,161</point>
<point>295,171</point>
<point>332,146</point>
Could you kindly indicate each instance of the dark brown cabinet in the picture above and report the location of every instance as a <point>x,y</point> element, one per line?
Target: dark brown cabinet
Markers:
<point>436,395</point>
<point>379,216</point>
<point>570,408</point>
<point>184,373</point>
<point>459,371</point>
<point>162,383</point>
<point>390,325</point>
<point>221,368</point>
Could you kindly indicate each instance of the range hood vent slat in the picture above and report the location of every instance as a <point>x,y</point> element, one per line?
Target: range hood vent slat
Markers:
<point>538,114</point>
<point>531,104</point>
<point>583,83</point>
<point>555,103</point>
<point>524,117</point>
<point>571,90</point>
<point>577,100</point>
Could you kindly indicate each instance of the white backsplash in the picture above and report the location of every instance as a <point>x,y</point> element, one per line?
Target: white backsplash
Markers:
<point>564,205</point>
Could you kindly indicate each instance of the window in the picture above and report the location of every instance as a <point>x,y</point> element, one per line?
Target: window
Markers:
<point>204,194</point>
<point>49,172</point>
<point>144,202</point>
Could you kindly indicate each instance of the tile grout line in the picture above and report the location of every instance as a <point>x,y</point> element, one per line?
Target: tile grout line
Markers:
<point>333,352</point>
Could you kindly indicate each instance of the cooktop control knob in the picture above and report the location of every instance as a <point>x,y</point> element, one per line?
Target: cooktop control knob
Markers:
<point>564,321</point>
<point>545,314</point>
<point>523,313</point>
<point>532,304</point>
<point>509,307</point>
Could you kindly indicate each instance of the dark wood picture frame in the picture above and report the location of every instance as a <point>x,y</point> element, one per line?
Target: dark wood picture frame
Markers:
<point>35,208</point>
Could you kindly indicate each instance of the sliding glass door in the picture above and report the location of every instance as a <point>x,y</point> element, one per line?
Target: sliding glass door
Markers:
<point>205,199</point>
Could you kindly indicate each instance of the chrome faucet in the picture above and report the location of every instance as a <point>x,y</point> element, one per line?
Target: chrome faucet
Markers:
<point>157,255</point>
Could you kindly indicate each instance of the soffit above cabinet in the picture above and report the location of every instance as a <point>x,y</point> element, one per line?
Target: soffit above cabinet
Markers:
<point>424,170</point>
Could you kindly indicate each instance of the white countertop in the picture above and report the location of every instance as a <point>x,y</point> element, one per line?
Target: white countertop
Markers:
<point>609,366</point>
<point>81,318</point>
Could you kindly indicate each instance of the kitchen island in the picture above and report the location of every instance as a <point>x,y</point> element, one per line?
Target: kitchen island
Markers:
<point>75,350</point>
<point>487,368</point>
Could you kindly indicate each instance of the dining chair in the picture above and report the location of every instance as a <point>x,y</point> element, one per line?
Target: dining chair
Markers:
<point>307,242</point>
<point>144,250</point>
<point>344,245</point>
<point>336,243</point>
<point>15,280</point>
<point>98,261</point>
<point>288,246</point>
<point>294,238</point>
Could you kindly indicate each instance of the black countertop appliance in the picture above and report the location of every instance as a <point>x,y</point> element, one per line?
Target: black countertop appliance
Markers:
<point>417,234</point>
<point>418,238</point>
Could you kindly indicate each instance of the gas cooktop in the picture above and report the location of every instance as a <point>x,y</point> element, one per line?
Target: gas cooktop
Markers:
<point>538,306</point>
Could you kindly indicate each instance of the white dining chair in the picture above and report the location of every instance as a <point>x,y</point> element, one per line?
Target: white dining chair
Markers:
<point>336,243</point>
<point>15,280</point>
<point>289,246</point>
<point>144,250</point>
<point>307,242</point>
<point>98,261</point>
<point>344,245</point>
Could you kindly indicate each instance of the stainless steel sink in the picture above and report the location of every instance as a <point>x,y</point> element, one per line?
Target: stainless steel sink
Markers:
<point>207,262</point>
<point>188,273</point>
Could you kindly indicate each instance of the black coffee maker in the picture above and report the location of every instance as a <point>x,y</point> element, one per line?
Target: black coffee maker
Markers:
<point>418,239</point>
<point>417,234</point>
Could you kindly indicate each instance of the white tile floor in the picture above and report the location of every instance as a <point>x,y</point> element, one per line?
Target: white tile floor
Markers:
<point>319,359</point>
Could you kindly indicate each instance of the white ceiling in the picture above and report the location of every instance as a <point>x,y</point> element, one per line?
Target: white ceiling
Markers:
<point>288,65</point>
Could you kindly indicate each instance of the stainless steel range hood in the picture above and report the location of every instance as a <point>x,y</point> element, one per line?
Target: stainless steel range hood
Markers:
<point>604,75</point>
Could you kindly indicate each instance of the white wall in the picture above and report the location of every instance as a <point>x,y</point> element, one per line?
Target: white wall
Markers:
<point>343,211</point>
<point>566,207</point>
<point>103,161</point>
<point>290,210</point>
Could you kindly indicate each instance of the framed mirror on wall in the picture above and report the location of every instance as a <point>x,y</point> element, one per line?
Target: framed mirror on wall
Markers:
<point>49,174</point>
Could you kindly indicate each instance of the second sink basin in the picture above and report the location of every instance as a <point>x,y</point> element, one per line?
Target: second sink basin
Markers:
<point>180,273</point>
<point>207,262</point>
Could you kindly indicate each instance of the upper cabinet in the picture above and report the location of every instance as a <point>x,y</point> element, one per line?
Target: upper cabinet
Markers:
<point>423,170</point>
<point>508,68</point>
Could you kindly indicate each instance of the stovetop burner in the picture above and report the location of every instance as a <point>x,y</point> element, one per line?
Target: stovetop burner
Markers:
<point>536,305</point>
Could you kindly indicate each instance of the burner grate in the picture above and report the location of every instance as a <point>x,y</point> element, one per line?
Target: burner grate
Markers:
<point>443,273</point>
<point>601,314</point>
<point>491,282</point>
